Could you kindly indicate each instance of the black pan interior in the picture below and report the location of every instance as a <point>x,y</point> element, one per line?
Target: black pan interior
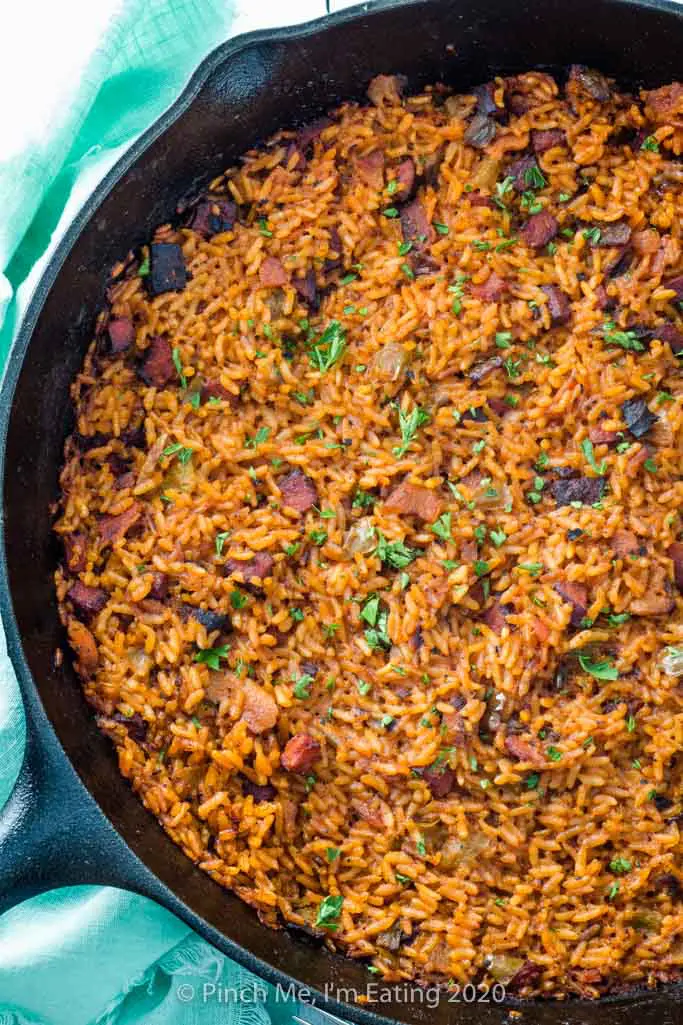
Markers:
<point>274,80</point>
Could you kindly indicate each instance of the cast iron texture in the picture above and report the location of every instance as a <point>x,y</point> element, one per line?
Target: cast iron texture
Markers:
<point>72,818</point>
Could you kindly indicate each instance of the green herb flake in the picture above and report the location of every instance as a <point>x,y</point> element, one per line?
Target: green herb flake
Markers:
<point>532,568</point>
<point>441,229</point>
<point>553,754</point>
<point>261,435</point>
<point>348,278</point>
<point>620,866</point>
<point>650,144</point>
<point>442,527</point>
<point>603,670</point>
<point>613,891</point>
<point>391,212</point>
<point>409,424</point>
<point>498,536</point>
<point>624,339</point>
<point>178,364</point>
<point>332,853</point>
<point>264,228</point>
<point>329,911</point>
<point>503,339</point>
<point>408,271</point>
<point>302,687</point>
<point>329,348</point>
<point>395,554</point>
<point>480,567</point>
<point>318,537</point>
<point>420,846</point>
<point>589,456</point>
<point>370,610</point>
<point>238,600</point>
<point>363,687</point>
<point>532,781</point>
<point>211,657</point>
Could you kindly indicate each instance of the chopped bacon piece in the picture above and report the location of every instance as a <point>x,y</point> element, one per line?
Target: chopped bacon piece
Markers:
<point>493,289</point>
<point>167,271</point>
<point>309,133</point>
<point>121,334</point>
<point>478,199</point>
<point>213,215</point>
<point>259,792</point>
<point>499,406</point>
<point>75,550</point>
<point>113,528</point>
<point>523,751</point>
<point>256,568</point>
<point>385,89</point>
<point>157,367</point>
<point>159,589</point>
<point>439,781</point>
<point>665,105</point>
<point>599,436</point>
<point>298,491</point>
<point>405,177</point>
<point>215,390</point>
<point>85,647</point>
<point>670,334</point>
<point>415,224</point>
<point>545,139</point>
<point>657,600</point>
<point>300,754</point>
<point>272,274</point>
<point>540,229</point>
<point>624,543</point>
<point>559,306</point>
<point>577,596</point>
<point>370,168</point>
<point>675,553</point>
<point>480,371</point>
<point>415,501</point>
<point>528,975</point>
<point>87,600</point>
<point>306,287</point>
<point>495,617</point>
<point>523,172</point>
<point>260,711</point>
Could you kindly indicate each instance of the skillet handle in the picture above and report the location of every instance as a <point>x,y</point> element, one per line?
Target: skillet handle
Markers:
<point>52,832</point>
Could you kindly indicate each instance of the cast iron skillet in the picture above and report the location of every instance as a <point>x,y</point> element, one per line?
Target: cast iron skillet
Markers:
<point>72,818</point>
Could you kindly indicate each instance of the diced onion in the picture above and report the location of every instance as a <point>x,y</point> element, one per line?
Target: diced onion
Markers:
<point>672,663</point>
<point>360,537</point>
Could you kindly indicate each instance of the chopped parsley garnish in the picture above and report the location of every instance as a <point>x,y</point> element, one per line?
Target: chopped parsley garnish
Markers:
<point>512,367</point>
<point>532,568</point>
<point>409,424</point>
<point>297,615</point>
<point>589,456</point>
<point>387,721</point>
<point>442,527</point>
<point>238,600</point>
<point>618,619</point>
<point>332,853</point>
<point>624,339</point>
<point>441,229</point>
<point>395,554</point>
<point>329,911</point>
<point>603,670</point>
<point>613,891</point>
<point>532,781</point>
<point>503,339</point>
<point>261,435</point>
<point>363,500</point>
<point>498,536</point>
<point>458,292</point>
<point>390,212</point>
<point>481,246</point>
<point>404,880</point>
<point>553,754</point>
<point>143,269</point>
<point>264,228</point>
<point>533,177</point>
<point>404,248</point>
<point>650,465</point>
<point>318,537</point>
<point>408,271</point>
<point>348,278</point>
<point>592,235</point>
<point>302,687</point>
<point>420,846</point>
<point>292,549</point>
<point>370,610</point>
<point>329,348</point>
<point>363,687</point>
<point>178,364</point>
<point>630,723</point>
<point>651,144</point>
<point>620,866</point>
<point>211,657</point>
<point>480,568</point>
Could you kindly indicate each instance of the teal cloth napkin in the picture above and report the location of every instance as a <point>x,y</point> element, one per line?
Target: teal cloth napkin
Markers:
<point>93,955</point>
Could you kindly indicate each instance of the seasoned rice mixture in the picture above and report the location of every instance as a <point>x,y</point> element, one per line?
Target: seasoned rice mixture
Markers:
<point>372,532</point>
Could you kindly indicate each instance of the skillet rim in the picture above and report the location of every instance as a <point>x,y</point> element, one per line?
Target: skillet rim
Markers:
<point>672,994</point>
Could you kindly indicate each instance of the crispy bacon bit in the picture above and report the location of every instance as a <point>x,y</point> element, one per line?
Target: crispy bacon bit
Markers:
<point>75,551</point>
<point>544,139</point>
<point>405,177</point>
<point>664,106</point>
<point>215,390</point>
<point>492,290</point>
<point>113,528</point>
<point>672,335</point>
<point>616,233</point>
<point>298,491</point>
<point>256,568</point>
<point>480,371</point>
<point>370,168</point>
<point>300,754</point>
<point>528,975</point>
<point>85,647</point>
<point>157,368</point>
<point>213,215</point>
<point>439,781</point>
<point>259,792</point>
<point>306,287</point>
<point>675,553</point>
<point>559,306</point>
<point>87,600</point>
<point>637,417</point>
<point>210,619</point>
<point>260,711</point>
<point>593,82</point>
<point>540,229</point>
<point>577,596</point>
<point>159,589</point>
<point>477,199</point>
<point>625,543</point>
<point>599,436</point>
<point>309,133</point>
<point>415,225</point>
<point>167,272</point>
<point>499,406</point>
<point>121,334</point>
<point>415,501</point>
<point>134,724</point>
<point>386,89</point>
<point>519,171</point>
<point>587,490</point>
<point>495,617</point>
<point>272,274</point>
<point>523,751</point>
